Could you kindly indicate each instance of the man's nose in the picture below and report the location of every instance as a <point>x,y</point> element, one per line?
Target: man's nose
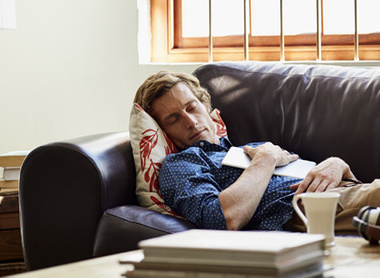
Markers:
<point>190,121</point>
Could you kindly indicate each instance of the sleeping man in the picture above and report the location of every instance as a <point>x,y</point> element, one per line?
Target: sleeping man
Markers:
<point>196,186</point>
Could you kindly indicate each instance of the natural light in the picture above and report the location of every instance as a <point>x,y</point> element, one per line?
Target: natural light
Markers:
<point>299,17</point>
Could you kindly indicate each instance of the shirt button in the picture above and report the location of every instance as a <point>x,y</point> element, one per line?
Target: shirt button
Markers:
<point>201,144</point>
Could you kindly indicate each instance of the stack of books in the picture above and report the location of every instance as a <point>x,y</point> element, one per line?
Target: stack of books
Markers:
<point>10,167</point>
<point>231,254</point>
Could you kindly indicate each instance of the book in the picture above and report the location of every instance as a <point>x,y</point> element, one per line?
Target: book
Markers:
<point>268,249</point>
<point>314,263</point>
<point>8,192</point>
<point>10,173</point>
<point>297,169</point>
<point>12,184</point>
<point>306,272</point>
<point>10,168</point>
<point>13,159</point>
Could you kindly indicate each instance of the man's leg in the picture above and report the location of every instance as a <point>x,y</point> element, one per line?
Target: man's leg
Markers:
<point>352,199</point>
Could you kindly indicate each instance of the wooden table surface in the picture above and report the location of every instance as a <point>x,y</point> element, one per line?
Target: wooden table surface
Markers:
<point>350,257</point>
<point>104,267</point>
<point>353,257</point>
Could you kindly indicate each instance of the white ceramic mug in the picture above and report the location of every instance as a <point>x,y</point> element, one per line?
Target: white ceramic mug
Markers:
<point>320,209</point>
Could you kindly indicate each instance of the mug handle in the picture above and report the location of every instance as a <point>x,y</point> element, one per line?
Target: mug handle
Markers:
<point>297,209</point>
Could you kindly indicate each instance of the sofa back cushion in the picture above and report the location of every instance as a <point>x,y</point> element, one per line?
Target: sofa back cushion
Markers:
<point>316,111</point>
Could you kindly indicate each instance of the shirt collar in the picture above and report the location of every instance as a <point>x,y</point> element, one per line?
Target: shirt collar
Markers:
<point>204,144</point>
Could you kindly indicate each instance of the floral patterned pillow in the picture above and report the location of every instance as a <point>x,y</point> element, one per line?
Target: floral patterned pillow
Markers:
<point>150,146</point>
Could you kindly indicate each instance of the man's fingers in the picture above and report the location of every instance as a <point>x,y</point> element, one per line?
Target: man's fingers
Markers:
<point>318,186</point>
<point>332,185</point>
<point>303,185</point>
<point>312,185</point>
<point>294,157</point>
<point>294,187</point>
<point>249,151</point>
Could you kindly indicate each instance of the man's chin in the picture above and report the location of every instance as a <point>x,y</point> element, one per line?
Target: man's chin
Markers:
<point>198,139</point>
<point>188,144</point>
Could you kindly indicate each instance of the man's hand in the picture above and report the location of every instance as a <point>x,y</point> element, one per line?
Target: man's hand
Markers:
<point>281,157</point>
<point>326,175</point>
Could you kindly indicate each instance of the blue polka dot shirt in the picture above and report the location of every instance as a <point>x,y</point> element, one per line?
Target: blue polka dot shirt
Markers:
<point>191,180</point>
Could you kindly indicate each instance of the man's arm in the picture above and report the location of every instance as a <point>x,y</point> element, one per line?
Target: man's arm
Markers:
<point>240,200</point>
<point>326,175</point>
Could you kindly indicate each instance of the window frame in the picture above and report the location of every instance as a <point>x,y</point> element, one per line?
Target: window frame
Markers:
<point>169,46</point>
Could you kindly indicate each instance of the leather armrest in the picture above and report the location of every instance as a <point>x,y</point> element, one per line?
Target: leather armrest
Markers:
<point>121,228</point>
<point>64,189</point>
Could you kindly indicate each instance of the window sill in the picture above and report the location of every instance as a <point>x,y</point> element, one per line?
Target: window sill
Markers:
<point>330,54</point>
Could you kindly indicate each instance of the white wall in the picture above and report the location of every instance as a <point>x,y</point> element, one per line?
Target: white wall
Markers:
<point>70,69</point>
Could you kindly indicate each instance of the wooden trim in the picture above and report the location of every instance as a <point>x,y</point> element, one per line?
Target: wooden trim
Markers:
<point>298,40</point>
<point>172,22</point>
<point>177,24</point>
<point>292,53</point>
<point>159,29</point>
<point>169,46</point>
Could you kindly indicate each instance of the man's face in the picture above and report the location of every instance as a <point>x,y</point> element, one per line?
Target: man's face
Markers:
<point>183,117</point>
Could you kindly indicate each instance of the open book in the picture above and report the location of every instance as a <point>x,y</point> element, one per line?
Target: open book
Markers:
<point>296,169</point>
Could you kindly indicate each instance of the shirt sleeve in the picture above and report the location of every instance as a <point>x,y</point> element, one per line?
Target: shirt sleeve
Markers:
<point>189,188</point>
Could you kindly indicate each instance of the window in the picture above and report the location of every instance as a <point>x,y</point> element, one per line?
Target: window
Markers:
<point>180,30</point>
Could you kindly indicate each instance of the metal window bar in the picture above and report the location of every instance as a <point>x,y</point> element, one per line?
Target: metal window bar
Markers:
<point>210,43</point>
<point>246,22</point>
<point>282,36</point>
<point>319,30</point>
<point>356,58</point>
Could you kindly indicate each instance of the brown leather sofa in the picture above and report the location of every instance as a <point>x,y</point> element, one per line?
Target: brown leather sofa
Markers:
<point>77,197</point>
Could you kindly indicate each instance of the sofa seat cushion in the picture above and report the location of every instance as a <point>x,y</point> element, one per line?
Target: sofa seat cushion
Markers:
<point>121,228</point>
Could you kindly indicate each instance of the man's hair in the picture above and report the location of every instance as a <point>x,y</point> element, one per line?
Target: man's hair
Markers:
<point>158,84</point>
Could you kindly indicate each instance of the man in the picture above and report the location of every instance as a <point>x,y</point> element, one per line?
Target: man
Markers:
<point>195,184</point>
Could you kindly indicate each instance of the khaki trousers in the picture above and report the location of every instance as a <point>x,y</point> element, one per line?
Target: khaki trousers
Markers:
<point>352,199</point>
